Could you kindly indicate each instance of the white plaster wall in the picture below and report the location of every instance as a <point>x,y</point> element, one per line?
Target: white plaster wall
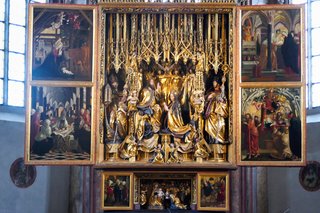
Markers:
<point>256,2</point>
<point>285,194</point>
<point>49,192</point>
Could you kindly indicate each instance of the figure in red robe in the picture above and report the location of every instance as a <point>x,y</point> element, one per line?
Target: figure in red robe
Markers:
<point>252,135</point>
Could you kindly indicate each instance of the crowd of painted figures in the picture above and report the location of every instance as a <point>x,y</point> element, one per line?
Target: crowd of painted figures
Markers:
<point>166,195</point>
<point>60,129</point>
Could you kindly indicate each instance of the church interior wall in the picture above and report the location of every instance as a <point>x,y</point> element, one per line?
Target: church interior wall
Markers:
<point>49,192</point>
<point>51,189</point>
<point>285,194</point>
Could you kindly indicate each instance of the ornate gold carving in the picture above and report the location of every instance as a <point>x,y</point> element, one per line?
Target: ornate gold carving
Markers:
<point>157,69</point>
<point>166,37</point>
<point>230,75</point>
<point>166,10</point>
<point>102,79</point>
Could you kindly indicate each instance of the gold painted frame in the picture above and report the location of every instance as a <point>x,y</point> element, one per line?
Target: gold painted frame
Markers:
<point>60,125</point>
<point>142,189</point>
<point>109,181</point>
<point>67,21</point>
<point>199,8</point>
<point>61,42</point>
<point>271,124</point>
<point>271,81</point>
<point>213,200</point>
<point>271,43</point>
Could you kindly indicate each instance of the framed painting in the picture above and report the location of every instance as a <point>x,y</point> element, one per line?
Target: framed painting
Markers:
<point>271,43</point>
<point>272,126</point>
<point>213,191</point>
<point>116,193</point>
<point>60,125</point>
<point>61,42</point>
<point>22,175</point>
<point>165,191</point>
<point>309,176</point>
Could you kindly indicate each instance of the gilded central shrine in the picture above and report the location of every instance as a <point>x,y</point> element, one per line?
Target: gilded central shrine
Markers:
<point>166,79</point>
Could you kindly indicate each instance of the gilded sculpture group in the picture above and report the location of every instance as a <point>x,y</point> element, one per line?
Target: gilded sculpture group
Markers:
<point>165,116</point>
